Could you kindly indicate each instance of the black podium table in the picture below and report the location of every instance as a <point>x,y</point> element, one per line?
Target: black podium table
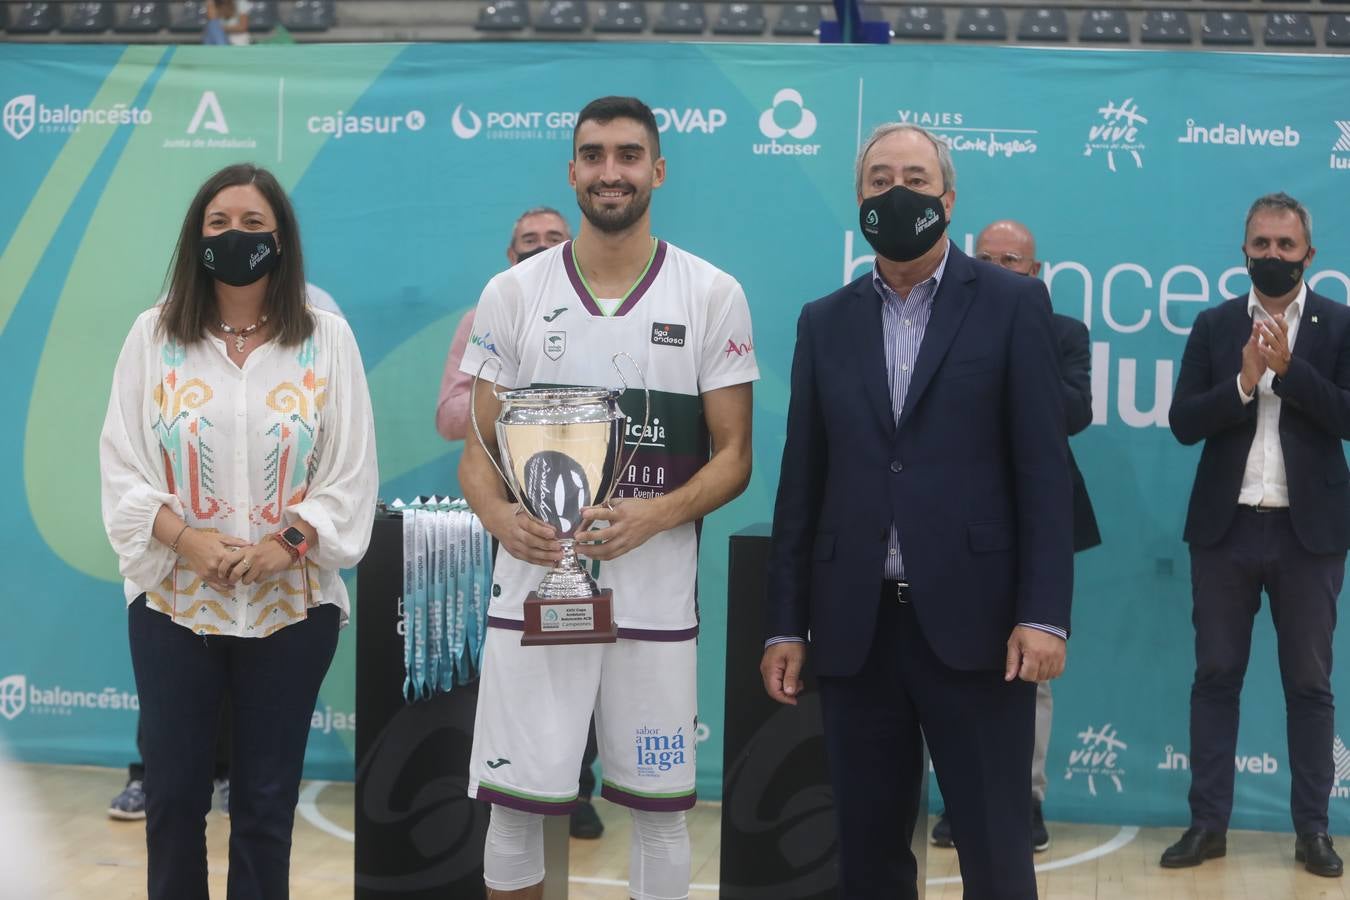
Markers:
<point>418,835</point>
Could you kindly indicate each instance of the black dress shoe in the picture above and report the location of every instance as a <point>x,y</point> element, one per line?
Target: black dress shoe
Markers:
<point>1196,846</point>
<point>942,831</point>
<point>1317,855</point>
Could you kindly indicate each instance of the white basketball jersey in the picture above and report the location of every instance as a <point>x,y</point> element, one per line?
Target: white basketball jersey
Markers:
<point>687,326</point>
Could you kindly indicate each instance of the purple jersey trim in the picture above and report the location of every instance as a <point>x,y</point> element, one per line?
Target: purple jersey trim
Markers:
<point>658,634</point>
<point>631,634</point>
<point>579,286</point>
<point>642,286</point>
<point>510,801</point>
<point>649,804</point>
<point>636,294</point>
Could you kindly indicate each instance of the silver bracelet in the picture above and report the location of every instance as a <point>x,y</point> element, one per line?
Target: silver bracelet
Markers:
<point>178,537</point>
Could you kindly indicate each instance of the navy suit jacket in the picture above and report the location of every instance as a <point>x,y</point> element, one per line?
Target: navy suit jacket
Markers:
<point>974,475</point>
<point>1075,371</point>
<point>1314,420</point>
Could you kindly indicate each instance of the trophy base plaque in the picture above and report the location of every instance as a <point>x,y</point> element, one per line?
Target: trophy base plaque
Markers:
<point>577,620</point>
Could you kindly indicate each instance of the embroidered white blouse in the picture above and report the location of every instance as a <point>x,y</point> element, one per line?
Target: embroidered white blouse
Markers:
<point>243,451</point>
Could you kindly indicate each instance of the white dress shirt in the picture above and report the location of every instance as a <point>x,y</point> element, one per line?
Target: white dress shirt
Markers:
<point>1263,481</point>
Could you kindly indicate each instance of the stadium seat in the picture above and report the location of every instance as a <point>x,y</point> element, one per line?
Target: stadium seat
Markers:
<point>563,16</point>
<point>982,23</point>
<point>143,18</point>
<point>503,15</point>
<point>798,20</point>
<point>1338,30</point>
<point>1165,26</point>
<point>1289,30</point>
<point>681,18</point>
<point>188,16</point>
<point>86,18</point>
<point>1104,26</point>
<point>921,22</point>
<point>1045,24</point>
<point>309,15</point>
<point>262,16</point>
<point>740,18</point>
<point>1226,28</point>
<point>620,18</point>
<point>32,18</point>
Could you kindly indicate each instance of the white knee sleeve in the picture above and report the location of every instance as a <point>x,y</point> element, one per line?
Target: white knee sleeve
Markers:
<point>514,855</point>
<point>658,864</point>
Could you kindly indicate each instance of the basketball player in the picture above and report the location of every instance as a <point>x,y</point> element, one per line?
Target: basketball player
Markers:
<point>558,319</point>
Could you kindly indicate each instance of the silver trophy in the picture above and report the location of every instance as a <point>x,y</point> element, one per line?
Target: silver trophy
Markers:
<point>560,452</point>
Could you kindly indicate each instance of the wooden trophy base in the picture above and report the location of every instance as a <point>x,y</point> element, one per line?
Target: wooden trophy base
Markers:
<point>588,620</point>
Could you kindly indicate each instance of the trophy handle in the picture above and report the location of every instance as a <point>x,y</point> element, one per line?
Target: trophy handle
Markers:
<point>473,415</point>
<point>646,417</point>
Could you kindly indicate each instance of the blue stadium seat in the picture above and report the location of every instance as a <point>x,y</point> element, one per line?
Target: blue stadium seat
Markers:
<point>1044,24</point>
<point>798,20</point>
<point>740,18</point>
<point>143,18</point>
<point>188,16</point>
<point>1231,28</point>
<point>32,18</point>
<point>1338,30</point>
<point>1289,30</point>
<point>1165,26</point>
<point>621,17</point>
<point>262,16</point>
<point>309,15</point>
<point>563,16</point>
<point>982,23</point>
<point>86,18</point>
<point>921,22</point>
<point>1104,26</point>
<point>681,18</point>
<point>503,15</point>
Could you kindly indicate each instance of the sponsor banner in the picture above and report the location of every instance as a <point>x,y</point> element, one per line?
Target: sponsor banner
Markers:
<point>408,168</point>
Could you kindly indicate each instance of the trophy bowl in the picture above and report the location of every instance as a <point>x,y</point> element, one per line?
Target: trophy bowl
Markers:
<point>560,450</point>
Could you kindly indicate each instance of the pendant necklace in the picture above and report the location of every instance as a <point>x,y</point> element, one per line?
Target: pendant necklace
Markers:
<point>241,334</point>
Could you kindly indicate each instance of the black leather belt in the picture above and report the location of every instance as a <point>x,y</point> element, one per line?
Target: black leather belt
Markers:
<point>895,589</point>
<point>1263,509</point>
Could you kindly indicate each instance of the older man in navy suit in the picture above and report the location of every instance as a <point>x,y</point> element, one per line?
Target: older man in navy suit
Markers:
<point>922,538</point>
<point>1265,383</point>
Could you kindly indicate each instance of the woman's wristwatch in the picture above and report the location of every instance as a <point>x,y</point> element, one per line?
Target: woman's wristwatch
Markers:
<point>294,540</point>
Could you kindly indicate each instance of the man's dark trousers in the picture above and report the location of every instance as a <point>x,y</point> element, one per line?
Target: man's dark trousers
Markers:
<point>1261,552</point>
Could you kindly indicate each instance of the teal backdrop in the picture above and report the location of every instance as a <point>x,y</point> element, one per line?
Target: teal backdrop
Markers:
<point>408,165</point>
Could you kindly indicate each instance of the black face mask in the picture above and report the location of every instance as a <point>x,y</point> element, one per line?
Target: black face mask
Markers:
<point>520,258</point>
<point>1275,277</point>
<point>240,258</point>
<point>901,224</point>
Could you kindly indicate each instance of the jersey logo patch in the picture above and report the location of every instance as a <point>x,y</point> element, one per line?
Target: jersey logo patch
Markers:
<point>555,344</point>
<point>669,335</point>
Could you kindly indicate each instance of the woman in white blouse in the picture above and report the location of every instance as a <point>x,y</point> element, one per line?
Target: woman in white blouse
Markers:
<point>239,478</point>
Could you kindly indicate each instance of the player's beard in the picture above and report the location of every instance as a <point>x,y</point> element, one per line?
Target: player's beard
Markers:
<point>615,219</point>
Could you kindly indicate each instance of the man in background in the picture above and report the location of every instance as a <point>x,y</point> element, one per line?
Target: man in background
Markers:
<point>536,230</point>
<point>1011,245</point>
<point>1265,384</point>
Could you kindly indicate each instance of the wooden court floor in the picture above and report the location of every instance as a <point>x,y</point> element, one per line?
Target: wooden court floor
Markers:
<point>91,856</point>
